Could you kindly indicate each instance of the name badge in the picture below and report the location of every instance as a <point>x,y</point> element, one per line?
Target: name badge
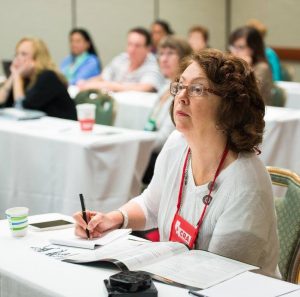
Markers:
<point>182,231</point>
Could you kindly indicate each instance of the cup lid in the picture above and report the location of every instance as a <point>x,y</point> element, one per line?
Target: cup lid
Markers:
<point>16,211</point>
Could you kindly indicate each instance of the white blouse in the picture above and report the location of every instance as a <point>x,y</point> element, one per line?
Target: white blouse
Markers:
<point>240,222</point>
<point>161,115</point>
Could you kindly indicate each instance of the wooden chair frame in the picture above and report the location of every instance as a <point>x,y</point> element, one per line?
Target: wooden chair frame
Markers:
<point>294,269</point>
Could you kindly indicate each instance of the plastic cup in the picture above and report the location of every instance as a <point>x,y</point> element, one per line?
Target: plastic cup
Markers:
<point>18,220</point>
<point>86,116</point>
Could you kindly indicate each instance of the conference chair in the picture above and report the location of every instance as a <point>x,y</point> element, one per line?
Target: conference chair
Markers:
<point>278,96</point>
<point>105,105</point>
<point>288,222</point>
<point>287,72</point>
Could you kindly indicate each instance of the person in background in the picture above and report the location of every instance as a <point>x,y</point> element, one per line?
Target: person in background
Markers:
<point>159,30</point>
<point>271,55</point>
<point>209,190</point>
<point>171,50</point>
<point>83,62</point>
<point>134,70</point>
<point>247,43</point>
<point>198,38</point>
<point>35,82</point>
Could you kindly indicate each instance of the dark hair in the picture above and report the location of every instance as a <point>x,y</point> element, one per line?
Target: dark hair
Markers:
<point>165,25</point>
<point>144,32</point>
<point>254,41</point>
<point>202,30</point>
<point>241,112</point>
<point>86,36</point>
<point>181,46</point>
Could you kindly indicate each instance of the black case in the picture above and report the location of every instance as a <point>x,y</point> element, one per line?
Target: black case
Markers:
<point>130,284</point>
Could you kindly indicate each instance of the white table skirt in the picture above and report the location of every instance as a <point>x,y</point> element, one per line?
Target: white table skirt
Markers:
<point>133,109</point>
<point>46,163</point>
<point>281,143</point>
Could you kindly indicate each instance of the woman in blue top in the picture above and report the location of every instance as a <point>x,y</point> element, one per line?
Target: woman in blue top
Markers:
<point>83,62</point>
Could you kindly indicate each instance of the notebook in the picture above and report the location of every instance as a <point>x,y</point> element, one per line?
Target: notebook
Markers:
<point>21,114</point>
<point>69,239</point>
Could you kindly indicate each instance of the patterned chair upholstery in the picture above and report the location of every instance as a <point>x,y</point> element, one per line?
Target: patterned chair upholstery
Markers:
<point>105,105</point>
<point>288,222</point>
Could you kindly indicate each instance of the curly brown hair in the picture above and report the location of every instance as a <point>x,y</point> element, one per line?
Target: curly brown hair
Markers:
<point>241,112</point>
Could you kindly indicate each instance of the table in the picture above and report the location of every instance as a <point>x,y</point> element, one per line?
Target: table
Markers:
<point>24,272</point>
<point>46,163</point>
<point>292,90</point>
<point>132,108</point>
<point>281,141</point>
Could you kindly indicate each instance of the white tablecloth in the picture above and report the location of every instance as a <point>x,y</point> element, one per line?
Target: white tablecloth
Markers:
<point>132,108</point>
<point>281,143</point>
<point>46,163</point>
<point>292,90</point>
<point>27,273</point>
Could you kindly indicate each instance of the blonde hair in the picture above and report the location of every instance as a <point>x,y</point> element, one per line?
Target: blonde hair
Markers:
<point>42,58</point>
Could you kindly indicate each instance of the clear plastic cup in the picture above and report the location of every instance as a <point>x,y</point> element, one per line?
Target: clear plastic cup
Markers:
<point>86,116</point>
<point>18,220</point>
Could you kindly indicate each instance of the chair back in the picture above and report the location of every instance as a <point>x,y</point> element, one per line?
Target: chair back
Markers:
<point>278,96</point>
<point>288,222</point>
<point>105,105</point>
<point>287,72</point>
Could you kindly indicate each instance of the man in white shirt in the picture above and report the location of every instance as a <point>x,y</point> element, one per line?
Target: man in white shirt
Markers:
<point>136,69</point>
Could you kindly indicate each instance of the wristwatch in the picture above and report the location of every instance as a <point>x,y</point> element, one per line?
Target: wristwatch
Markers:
<point>125,218</point>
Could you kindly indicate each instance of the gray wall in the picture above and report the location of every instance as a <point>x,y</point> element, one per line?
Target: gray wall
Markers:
<point>49,20</point>
<point>109,21</point>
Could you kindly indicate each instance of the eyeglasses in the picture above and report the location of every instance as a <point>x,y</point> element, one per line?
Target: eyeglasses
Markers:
<point>237,47</point>
<point>193,90</point>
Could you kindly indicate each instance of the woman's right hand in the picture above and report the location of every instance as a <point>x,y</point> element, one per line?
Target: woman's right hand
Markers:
<point>98,223</point>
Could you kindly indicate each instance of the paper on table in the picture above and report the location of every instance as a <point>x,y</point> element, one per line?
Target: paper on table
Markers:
<point>74,241</point>
<point>249,284</point>
<point>198,269</point>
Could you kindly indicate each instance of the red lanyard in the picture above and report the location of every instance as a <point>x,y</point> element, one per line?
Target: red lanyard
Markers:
<point>206,199</point>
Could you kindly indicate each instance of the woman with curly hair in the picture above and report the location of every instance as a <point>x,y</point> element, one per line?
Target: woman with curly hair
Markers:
<point>209,190</point>
<point>35,82</point>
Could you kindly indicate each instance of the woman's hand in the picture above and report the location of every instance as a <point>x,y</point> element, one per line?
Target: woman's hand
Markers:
<point>98,223</point>
<point>22,68</point>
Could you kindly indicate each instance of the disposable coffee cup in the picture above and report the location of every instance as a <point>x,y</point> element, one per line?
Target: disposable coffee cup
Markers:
<point>18,220</point>
<point>86,116</point>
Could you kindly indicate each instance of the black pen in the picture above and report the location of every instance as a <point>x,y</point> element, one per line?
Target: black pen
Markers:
<point>196,294</point>
<point>84,214</point>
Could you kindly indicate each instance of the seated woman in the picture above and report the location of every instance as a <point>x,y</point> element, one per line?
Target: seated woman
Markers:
<point>83,62</point>
<point>35,83</point>
<point>198,38</point>
<point>159,30</point>
<point>208,179</point>
<point>271,55</point>
<point>171,50</point>
<point>247,43</point>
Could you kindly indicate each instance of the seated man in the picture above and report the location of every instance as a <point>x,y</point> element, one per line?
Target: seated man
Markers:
<point>136,69</point>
